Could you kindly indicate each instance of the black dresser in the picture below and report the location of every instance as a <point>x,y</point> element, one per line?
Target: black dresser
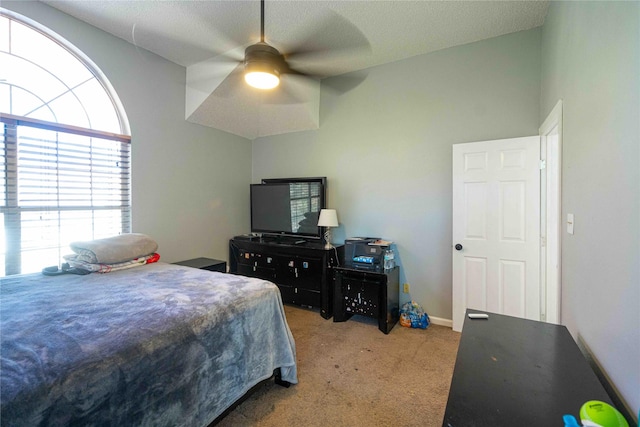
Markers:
<point>303,272</point>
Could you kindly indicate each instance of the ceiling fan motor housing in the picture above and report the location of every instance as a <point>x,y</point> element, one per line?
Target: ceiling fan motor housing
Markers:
<point>263,57</point>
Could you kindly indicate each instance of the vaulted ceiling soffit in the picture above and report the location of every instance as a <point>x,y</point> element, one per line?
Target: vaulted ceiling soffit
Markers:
<point>217,96</point>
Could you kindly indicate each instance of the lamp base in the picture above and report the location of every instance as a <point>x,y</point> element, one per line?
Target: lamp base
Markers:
<point>327,239</point>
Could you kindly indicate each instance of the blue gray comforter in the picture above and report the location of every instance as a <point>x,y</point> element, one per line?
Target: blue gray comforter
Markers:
<point>156,345</point>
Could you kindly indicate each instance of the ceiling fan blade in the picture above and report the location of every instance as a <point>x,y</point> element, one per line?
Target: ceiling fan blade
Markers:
<point>290,90</point>
<point>344,83</point>
<point>233,83</point>
<point>337,84</point>
<point>286,69</point>
<point>333,35</point>
<point>293,89</point>
<point>208,74</point>
<point>230,23</point>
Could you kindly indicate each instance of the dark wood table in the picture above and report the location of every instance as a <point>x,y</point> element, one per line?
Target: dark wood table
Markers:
<point>516,372</point>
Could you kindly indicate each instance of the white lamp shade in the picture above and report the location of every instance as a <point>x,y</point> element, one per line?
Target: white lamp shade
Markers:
<point>328,218</point>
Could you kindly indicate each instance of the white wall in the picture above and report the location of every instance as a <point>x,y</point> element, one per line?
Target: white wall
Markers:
<point>386,148</point>
<point>190,184</point>
<point>591,60</point>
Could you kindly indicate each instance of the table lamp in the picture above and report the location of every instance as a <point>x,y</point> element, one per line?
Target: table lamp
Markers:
<point>328,219</point>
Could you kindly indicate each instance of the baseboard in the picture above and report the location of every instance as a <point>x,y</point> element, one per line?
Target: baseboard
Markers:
<point>606,382</point>
<point>440,321</point>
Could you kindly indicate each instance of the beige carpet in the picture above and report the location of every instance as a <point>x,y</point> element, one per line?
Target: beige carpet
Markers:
<point>351,374</point>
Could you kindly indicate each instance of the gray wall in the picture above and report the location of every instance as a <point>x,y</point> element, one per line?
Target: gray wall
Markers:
<point>386,148</point>
<point>591,60</point>
<point>190,184</point>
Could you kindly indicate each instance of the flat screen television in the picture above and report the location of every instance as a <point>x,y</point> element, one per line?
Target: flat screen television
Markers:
<point>288,206</point>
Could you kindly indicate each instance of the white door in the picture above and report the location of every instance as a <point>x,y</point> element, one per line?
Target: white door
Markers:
<point>496,228</point>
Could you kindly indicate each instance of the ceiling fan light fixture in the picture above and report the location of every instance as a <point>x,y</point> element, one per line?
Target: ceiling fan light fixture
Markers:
<point>261,75</point>
<point>262,66</point>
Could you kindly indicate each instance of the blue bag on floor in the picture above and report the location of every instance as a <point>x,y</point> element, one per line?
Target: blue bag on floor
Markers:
<point>413,316</point>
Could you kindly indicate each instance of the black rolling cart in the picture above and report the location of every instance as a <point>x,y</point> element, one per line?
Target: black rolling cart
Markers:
<point>205,264</point>
<point>367,293</point>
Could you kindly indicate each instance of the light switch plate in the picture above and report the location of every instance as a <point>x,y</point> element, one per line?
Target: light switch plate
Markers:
<point>570,223</point>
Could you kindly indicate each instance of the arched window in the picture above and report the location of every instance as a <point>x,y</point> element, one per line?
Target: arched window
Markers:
<point>64,149</point>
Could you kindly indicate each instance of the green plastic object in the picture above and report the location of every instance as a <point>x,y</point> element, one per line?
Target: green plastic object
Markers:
<point>597,413</point>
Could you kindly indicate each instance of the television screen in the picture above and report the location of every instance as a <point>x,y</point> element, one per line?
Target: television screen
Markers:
<point>287,207</point>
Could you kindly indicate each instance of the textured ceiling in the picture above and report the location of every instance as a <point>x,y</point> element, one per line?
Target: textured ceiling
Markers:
<point>197,34</point>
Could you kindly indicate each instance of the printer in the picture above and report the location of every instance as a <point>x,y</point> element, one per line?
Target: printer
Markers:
<point>368,254</point>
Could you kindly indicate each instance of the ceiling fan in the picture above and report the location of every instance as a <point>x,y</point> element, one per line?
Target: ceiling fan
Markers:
<point>263,65</point>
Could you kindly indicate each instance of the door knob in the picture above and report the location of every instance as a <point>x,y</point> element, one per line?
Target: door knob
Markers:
<point>458,247</point>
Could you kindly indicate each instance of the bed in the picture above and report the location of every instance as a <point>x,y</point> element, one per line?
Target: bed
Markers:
<point>154,345</point>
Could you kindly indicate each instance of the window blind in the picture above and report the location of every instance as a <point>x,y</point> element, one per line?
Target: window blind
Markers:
<point>60,185</point>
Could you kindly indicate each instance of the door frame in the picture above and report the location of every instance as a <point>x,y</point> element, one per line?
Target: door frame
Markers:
<point>551,216</point>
